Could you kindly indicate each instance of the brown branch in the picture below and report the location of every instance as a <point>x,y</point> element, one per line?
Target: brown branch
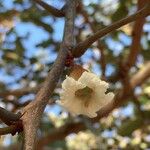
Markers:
<point>12,129</point>
<point>40,23</point>
<point>99,45</point>
<point>141,76</point>
<point>34,110</point>
<point>13,120</point>
<point>135,47</point>
<point>136,34</point>
<point>18,105</point>
<point>54,11</point>
<point>83,46</point>
<point>8,117</point>
<point>62,132</point>
<point>20,92</point>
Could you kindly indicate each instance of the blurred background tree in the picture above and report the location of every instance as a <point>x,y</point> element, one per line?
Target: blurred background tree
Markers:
<point>30,39</point>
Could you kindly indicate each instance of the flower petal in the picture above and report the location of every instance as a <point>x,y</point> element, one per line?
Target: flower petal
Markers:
<point>76,105</point>
<point>70,82</point>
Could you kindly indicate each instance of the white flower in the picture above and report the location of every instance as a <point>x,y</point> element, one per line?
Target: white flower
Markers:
<point>86,95</point>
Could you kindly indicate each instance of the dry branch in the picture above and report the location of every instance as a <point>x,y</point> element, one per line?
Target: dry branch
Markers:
<point>12,129</point>
<point>8,117</point>
<point>83,46</point>
<point>141,76</point>
<point>52,10</point>
<point>34,110</point>
<point>99,45</point>
<point>136,38</point>
<point>20,92</point>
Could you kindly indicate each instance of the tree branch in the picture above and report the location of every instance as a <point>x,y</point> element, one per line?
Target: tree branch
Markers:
<point>54,11</point>
<point>136,34</point>
<point>20,92</point>
<point>99,45</point>
<point>8,117</point>
<point>141,76</point>
<point>82,47</point>
<point>34,110</point>
<point>12,129</point>
<point>17,105</point>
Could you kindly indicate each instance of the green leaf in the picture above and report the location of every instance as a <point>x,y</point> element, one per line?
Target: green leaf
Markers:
<point>128,127</point>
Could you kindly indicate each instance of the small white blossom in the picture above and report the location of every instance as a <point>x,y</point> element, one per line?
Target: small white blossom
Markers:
<point>85,96</point>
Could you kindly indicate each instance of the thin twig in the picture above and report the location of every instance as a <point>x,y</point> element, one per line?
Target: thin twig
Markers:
<point>142,75</point>
<point>12,129</point>
<point>83,46</point>
<point>8,117</point>
<point>54,11</point>
<point>19,92</point>
<point>99,45</point>
<point>136,38</point>
<point>33,111</point>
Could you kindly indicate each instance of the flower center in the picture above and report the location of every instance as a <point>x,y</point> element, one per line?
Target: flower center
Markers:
<point>84,94</point>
